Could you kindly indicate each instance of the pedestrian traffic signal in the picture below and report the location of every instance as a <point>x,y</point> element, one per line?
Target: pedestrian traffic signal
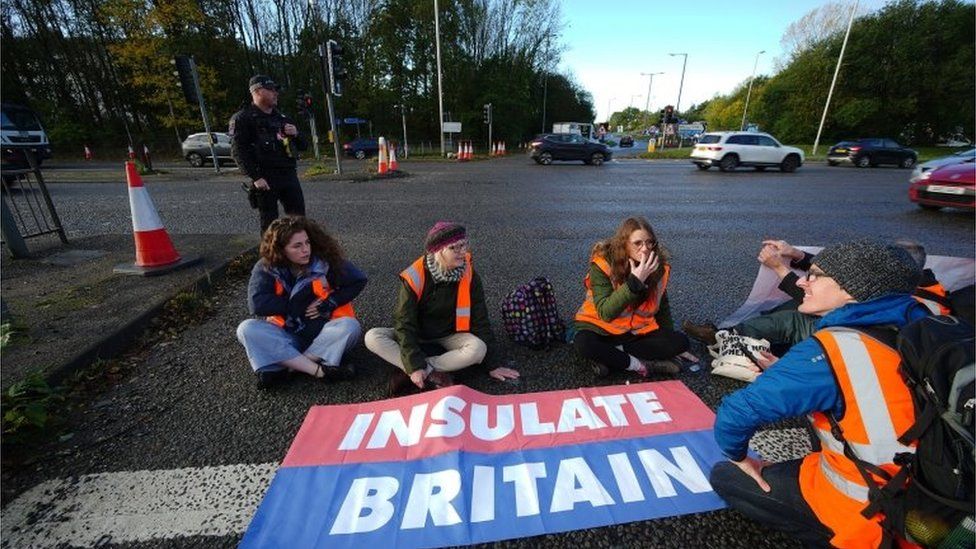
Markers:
<point>184,72</point>
<point>669,117</point>
<point>488,113</point>
<point>337,70</point>
<point>307,99</point>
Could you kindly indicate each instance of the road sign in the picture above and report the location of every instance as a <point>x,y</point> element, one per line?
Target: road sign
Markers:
<point>452,127</point>
<point>693,127</point>
<point>354,121</point>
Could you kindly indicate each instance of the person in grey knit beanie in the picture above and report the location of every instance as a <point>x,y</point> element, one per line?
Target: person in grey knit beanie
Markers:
<point>868,269</point>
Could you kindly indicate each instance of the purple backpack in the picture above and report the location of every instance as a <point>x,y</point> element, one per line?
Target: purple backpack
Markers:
<point>530,315</point>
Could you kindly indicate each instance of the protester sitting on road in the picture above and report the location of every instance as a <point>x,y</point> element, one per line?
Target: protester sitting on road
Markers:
<point>624,323</point>
<point>440,307</point>
<point>301,292</point>
<point>861,290</point>
<point>783,326</point>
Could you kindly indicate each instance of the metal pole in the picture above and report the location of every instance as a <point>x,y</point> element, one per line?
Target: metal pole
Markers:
<point>403,114</point>
<point>647,102</point>
<point>749,93</point>
<point>545,85</point>
<point>681,86</point>
<point>440,88</point>
<point>203,113</point>
<point>840,59</point>
<point>327,89</point>
<point>315,135</point>
<point>609,113</point>
<point>489,127</point>
<point>179,138</point>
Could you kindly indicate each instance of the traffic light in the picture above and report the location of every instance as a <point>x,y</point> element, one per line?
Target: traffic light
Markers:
<point>663,117</point>
<point>669,114</point>
<point>487,113</point>
<point>307,99</point>
<point>337,70</point>
<point>184,71</point>
<point>300,103</point>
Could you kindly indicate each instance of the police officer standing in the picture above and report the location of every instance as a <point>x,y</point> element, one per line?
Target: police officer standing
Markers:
<point>265,144</point>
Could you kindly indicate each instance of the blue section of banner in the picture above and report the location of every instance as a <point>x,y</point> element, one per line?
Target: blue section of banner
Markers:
<point>646,478</point>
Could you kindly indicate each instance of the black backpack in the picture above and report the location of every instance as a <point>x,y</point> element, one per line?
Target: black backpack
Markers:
<point>932,494</point>
<point>530,315</point>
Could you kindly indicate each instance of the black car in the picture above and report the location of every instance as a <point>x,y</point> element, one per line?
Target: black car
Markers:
<point>626,141</point>
<point>362,147</point>
<point>567,146</point>
<point>871,152</point>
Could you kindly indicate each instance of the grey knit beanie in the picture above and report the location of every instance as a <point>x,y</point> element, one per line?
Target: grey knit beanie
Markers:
<point>867,269</point>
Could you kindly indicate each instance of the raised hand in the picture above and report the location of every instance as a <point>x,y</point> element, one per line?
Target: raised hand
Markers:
<point>647,265</point>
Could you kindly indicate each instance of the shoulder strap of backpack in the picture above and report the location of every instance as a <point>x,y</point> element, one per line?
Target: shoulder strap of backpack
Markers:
<point>932,296</point>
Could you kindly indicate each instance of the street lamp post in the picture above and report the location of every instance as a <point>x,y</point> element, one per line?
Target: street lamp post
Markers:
<point>609,112</point>
<point>440,89</point>
<point>677,107</point>
<point>403,114</point>
<point>647,102</point>
<point>749,93</point>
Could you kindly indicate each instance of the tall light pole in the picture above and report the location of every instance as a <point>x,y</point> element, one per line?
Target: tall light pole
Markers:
<point>609,112</point>
<point>840,58</point>
<point>749,93</point>
<point>403,114</point>
<point>677,107</point>
<point>440,89</point>
<point>545,85</point>
<point>647,102</point>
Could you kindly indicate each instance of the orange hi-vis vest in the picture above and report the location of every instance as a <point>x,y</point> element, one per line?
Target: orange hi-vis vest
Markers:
<point>877,410</point>
<point>416,276</point>
<point>321,289</point>
<point>637,320</point>
<point>934,297</point>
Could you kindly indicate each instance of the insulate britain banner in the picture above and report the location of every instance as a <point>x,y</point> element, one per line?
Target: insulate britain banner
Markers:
<point>455,467</point>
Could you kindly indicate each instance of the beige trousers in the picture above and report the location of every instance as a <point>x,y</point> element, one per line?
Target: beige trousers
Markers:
<point>463,349</point>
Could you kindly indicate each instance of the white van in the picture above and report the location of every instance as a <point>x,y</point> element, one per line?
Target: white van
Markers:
<point>21,130</point>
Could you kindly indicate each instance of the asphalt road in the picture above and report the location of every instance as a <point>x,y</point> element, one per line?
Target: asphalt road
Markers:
<point>193,403</point>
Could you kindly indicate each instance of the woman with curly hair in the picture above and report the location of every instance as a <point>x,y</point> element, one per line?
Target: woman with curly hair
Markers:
<point>301,293</point>
<point>625,321</point>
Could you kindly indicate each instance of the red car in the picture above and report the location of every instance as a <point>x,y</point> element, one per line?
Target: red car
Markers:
<point>952,186</point>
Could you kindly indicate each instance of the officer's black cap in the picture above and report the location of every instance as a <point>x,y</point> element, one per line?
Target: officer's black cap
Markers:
<point>263,81</point>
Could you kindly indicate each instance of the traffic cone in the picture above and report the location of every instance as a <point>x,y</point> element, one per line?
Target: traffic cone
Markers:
<point>394,167</point>
<point>155,253</point>
<point>502,145</point>
<point>88,153</point>
<point>460,154</point>
<point>470,152</point>
<point>382,167</point>
<point>494,149</point>
<point>132,153</point>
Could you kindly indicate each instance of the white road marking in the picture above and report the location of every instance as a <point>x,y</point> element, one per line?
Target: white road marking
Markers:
<point>136,506</point>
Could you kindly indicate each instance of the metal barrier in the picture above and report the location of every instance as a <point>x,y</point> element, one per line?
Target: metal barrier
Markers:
<point>27,210</point>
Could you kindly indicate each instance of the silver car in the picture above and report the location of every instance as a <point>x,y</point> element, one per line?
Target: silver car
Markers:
<point>196,148</point>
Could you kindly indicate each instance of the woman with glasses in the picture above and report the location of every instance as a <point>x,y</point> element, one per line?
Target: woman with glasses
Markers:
<point>625,321</point>
<point>441,304</point>
<point>301,293</point>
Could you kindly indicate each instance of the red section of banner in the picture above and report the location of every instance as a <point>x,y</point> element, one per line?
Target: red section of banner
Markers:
<point>433,423</point>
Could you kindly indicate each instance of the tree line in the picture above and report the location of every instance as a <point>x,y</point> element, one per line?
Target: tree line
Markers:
<point>909,73</point>
<point>100,71</point>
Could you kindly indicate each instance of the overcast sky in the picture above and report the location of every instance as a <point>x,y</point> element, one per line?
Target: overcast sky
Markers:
<point>610,43</point>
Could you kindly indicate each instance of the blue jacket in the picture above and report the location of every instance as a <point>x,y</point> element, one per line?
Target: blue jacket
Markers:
<point>802,381</point>
<point>346,284</point>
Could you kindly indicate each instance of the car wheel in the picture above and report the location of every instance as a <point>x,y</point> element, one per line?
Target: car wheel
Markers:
<point>790,163</point>
<point>545,159</point>
<point>831,163</point>
<point>929,207</point>
<point>703,167</point>
<point>728,163</point>
<point>907,162</point>
<point>863,162</point>
<point>196,160</point>
<point>360,154</point>
<point>596,159</point>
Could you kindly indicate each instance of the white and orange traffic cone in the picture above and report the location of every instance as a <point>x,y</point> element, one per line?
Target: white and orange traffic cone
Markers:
<point>470,153</point>
<point>88,153</point>
<point>394,167</point>
<point>382,167</point>
<point>494,149</point>
<point>460,154</point>
<point>155,253</point>
<point>132,153</point>
<point>501,144</point>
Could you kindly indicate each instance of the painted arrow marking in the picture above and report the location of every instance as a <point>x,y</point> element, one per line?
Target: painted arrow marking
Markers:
<point>136,506</point>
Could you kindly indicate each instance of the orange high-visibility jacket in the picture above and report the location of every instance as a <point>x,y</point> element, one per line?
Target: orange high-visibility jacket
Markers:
<point>877,410</point>
<point>934,297</point>
<point>322,290</point>
<point>637,320</point>
<point>416,276</point>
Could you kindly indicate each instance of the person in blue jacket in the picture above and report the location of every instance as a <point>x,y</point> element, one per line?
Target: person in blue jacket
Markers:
<point>863,286</point>
<point>301,293</point>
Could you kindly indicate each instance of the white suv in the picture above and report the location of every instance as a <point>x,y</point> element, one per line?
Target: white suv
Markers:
<point>727,150</point>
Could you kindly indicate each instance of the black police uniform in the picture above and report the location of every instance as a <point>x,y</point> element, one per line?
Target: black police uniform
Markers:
<point>262,150</point>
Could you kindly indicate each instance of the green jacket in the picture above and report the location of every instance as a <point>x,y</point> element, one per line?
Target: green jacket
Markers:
<point>433,316</point>
<point>610,302</point>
